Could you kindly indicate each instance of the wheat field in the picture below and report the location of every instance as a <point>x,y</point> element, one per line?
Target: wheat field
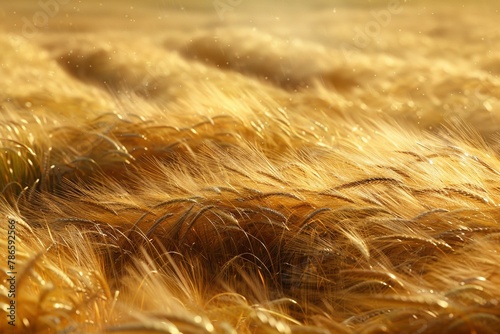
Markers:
<point>237,166</point>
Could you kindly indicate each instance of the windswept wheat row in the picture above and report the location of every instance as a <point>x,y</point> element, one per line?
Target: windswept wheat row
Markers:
<point>250,167</point>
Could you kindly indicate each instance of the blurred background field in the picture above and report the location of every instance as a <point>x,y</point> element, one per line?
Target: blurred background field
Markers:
<point>85,15</point>
<point>425,59</point>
